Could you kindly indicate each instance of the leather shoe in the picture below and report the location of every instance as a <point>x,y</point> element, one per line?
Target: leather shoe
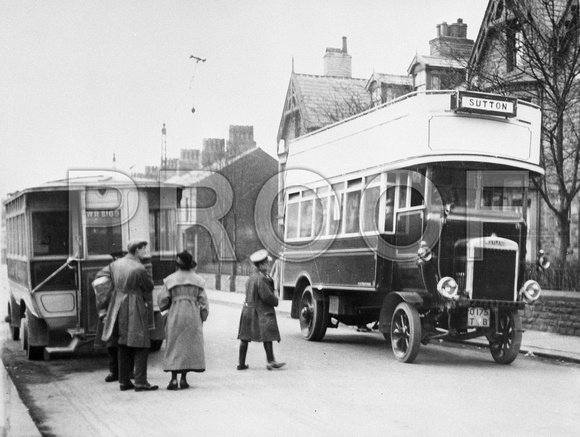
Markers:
<point>125,387</point>
<point>243,367</point>
<point>111,377</point>
<point>183,383</point>
<point>172,385</point>
<point>146,387</point>
<point>273,365</point>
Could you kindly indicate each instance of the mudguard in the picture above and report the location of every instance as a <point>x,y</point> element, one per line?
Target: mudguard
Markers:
<point>390,303</point>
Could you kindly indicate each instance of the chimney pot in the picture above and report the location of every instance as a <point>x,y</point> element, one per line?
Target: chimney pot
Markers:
<point>344,50</point>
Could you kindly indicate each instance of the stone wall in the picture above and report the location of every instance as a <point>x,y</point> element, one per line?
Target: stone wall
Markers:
<point>555,311</point>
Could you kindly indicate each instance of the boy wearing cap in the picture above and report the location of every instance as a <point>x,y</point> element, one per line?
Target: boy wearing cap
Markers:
<point>258,320</point>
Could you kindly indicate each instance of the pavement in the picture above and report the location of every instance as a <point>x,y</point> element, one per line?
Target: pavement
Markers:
<point>15,421</point>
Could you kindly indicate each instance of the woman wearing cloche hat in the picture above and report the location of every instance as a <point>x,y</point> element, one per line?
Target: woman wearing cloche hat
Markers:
<point>258,321</point>
<point>184,295</point>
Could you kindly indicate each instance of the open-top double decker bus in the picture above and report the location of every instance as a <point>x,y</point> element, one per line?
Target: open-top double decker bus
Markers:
<point>60,234</point>
<point>413,216</point>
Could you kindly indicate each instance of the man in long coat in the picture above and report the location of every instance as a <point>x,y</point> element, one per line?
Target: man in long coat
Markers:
<point>258,320</point>
<point>127,316</point>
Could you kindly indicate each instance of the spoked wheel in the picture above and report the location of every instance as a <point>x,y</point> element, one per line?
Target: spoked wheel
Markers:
<point>505,344</point>
<point>313,316</point>
<point>405,332</point>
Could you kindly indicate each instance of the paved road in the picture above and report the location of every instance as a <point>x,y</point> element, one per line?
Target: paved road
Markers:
<point>350,384</point>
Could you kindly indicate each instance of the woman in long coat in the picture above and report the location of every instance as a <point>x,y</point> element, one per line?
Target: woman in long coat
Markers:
<point>258,320</point>
<point>185,297</point>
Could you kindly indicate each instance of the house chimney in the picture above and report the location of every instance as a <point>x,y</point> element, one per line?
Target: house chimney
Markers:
<point>451,40</point>
<point>337,62</point>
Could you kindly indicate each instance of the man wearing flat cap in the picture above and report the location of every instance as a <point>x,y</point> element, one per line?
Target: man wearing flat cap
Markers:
<point>127,318</point>
<point>258,321</point>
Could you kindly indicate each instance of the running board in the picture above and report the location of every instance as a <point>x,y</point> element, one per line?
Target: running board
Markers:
<point>78,339</point>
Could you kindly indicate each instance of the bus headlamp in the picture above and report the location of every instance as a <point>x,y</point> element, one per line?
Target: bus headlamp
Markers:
<point>531,291</point>
<point>448,288</point>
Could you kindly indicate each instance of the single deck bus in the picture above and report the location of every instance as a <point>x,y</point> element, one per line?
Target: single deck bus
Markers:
<point>60,234</point>
<point>412,216</point>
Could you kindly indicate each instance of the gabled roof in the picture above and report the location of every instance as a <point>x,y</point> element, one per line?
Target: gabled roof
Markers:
<point>193,177</point>
<point>480,41</point>
<point>318,97</point>
<point>391,79</point>
<point>434,61</point>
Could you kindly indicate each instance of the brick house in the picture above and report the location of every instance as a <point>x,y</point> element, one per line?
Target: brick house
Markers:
<point>238,180</point>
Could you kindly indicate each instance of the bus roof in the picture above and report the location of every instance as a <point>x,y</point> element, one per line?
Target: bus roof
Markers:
<point>113,179</point>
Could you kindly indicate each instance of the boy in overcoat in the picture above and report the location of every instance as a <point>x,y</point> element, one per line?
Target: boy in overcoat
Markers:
<point>258,320</point>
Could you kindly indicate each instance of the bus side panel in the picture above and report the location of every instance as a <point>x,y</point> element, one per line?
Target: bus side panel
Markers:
<point>385,279</point>
<point>335,270</point>
<point>18,273</point>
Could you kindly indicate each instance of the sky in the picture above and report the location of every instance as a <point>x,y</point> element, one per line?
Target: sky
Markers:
<point>82,82</point>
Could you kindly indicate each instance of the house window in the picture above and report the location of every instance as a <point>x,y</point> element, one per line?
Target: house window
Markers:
<point>435,83</point>
<point>376,95</point>
<point>514,48</point>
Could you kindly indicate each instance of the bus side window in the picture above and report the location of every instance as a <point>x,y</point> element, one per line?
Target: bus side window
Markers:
<point>390,210</point>
<point>306,214</point>
<point>352,212</point>
<point>292,220</point>
<point>370,208</point>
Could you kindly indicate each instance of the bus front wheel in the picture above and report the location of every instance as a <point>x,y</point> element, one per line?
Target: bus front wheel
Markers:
<point>505,344</point>
<point>313,316</point>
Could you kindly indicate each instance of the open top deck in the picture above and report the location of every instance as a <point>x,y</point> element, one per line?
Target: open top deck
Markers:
<point>423,127</point>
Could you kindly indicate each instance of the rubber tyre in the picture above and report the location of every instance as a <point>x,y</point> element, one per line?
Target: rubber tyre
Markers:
<point>313,316</point>
<point>14,330</point>
<point>33,353</point>
<point>505,346</point>
<point>405,332</point>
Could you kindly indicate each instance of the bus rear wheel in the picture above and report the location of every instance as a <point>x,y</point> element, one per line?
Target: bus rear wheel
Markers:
<point>14,330</point>
<point>313,316</point>
<point>505,344</point>
<point>32,352</point>
<point>405,332</point>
